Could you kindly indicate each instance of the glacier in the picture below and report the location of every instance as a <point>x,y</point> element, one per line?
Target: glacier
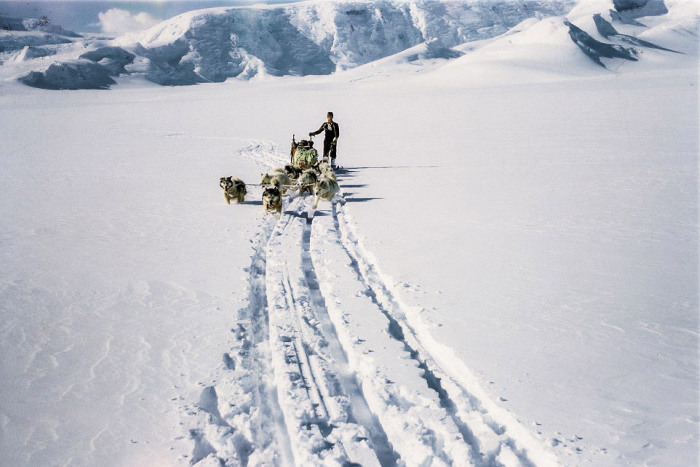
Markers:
<point>299,39</point>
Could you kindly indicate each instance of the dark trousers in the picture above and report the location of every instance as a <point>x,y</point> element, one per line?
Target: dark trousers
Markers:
<point>329,150</point>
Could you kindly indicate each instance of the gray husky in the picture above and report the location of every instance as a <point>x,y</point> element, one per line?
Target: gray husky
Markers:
<point>234,188</point>
<point>307,180</point>
<point>272,200</point>
<point>277,178</point>
<point>325,188</point>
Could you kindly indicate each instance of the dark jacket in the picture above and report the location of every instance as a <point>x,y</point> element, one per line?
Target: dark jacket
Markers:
<point>331,130</point>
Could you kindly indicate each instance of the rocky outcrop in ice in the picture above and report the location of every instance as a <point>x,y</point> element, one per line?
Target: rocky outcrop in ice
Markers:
<point>596,49</point>
<point>620,46</point>
<point>640,7</point>
<point>114,59</point>
<point>607,30</point>
<point>78,74</point>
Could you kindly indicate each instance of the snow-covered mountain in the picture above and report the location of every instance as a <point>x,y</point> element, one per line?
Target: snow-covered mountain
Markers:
<point>38,25</point>
<point>31,38</point>
<point>315,38</point>
<point>320,38</point>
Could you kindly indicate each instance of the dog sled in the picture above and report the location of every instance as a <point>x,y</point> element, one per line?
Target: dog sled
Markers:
<point>305,174</point>
<point>303,155</point>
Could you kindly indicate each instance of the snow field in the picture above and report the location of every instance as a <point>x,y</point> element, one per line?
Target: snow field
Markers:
<point>352,385</point>
<point>555,214</point>
<point>509,277</point>
<point>94,238</point>
<point>410,398</point>
<point>110,322</point>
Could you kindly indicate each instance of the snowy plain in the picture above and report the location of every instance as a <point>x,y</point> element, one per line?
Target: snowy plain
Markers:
<point>509,277</point>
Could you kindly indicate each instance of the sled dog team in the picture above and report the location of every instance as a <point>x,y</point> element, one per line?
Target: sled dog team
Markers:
<point>318,180</point>
<point>304,173</point>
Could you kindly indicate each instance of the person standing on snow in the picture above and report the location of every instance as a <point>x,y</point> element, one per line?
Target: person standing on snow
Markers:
<point>330,138</point>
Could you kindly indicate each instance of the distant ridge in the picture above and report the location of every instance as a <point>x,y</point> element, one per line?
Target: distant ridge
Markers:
<point>322,38</point>
<point>315,38</point>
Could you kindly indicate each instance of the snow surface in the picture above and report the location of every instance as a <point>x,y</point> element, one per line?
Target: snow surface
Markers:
<point>508,277</point>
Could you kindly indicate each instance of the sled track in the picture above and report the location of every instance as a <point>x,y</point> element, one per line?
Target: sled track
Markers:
<point>326,413</point>
<point>239,418</point>
<point>330,367</point>
<point>487,439</point>
<point>362,269</point>
<point>360,412</point>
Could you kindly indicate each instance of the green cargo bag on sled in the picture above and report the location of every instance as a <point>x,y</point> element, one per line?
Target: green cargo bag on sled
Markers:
<point>303,154</point>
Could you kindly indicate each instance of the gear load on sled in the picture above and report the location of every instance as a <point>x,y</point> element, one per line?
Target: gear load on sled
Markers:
<point>303,155</point>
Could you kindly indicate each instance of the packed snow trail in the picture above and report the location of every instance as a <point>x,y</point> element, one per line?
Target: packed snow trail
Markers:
<point>485,431</point>
<point>360,409</point>
<point>241,422</point>
<point>320,402</point>
<point>330,367</point>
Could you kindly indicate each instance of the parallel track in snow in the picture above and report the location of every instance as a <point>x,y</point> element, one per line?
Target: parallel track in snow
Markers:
<point>241,422</point>
<point>339,368</point>
<point>326,412</point>
<point>487,439</point>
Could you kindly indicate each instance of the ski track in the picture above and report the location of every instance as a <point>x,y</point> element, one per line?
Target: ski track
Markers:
<point>239,418</point>
<point>329,366</point>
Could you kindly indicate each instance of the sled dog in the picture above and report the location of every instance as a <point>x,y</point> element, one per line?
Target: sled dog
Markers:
<point>272,200</point>
<point>306,181</point>
<point>325,188</point>
<point>292,172</point>
<point>329,174</point>
<point>323,166</point>
<point>276,178</point>
<point>234,188</point>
